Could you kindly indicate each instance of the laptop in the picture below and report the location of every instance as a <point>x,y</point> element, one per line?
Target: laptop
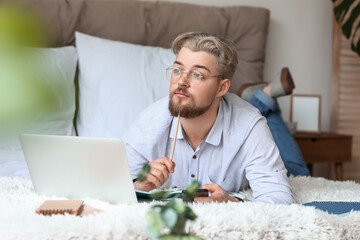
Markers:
<point>79,167</point>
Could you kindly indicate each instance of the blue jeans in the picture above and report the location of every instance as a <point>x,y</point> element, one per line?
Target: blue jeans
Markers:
<point>288,148</point>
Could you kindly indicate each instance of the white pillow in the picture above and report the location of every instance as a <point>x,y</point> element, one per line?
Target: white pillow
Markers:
<point>56,68</point>
<point>116,81</point>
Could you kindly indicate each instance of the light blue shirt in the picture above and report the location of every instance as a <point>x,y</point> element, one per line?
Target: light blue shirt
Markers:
<point>238,152</point>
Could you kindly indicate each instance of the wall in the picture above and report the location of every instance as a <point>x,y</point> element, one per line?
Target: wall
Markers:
<point>300,37</point>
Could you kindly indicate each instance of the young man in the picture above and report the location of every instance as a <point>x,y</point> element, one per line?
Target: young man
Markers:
<point>222,140</point>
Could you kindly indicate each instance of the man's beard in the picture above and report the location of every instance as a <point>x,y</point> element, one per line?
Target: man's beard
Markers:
<point>191,111</point>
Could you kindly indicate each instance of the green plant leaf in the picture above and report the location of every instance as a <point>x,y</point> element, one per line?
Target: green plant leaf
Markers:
<point>141,176</point>
<point>194,237</point>
<point>191,189</point>
<point>158,206</point>
<point>170,217</point>
<point>189,194</point>
<point>19,27</point>
<point>190,214</point>
<point>179,228</point>
<point>154,223</point>
<point>356,48</point>
<point>159,195</point>
<point>179,237</point>
<point>348,25</point>
<point>187,197</point>
<point>179,206</point>
<point>341,9</point>
<point>146,168</point>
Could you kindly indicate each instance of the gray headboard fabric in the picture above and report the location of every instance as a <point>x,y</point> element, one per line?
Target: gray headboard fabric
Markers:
<point>158,23</point>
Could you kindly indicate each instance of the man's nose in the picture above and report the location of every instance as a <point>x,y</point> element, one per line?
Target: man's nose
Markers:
<point>183,80</point>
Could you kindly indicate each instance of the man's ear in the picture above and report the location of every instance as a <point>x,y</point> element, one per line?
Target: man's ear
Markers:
<point>223,87</point>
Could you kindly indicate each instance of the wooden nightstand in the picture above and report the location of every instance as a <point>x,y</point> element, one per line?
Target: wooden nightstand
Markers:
<point>325,147</point>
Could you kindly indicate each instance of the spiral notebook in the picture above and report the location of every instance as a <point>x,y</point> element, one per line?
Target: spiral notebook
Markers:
<point>50,207</point>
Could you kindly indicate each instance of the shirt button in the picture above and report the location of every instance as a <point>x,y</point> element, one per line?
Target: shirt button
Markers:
<point>194,157</point>
<point>192,175</point>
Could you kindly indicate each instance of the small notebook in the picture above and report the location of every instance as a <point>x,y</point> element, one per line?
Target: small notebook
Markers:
<point>50,207</point>
<point>337,208</point>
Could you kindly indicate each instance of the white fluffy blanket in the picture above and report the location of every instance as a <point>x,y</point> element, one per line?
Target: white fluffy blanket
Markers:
<point>215,221</point>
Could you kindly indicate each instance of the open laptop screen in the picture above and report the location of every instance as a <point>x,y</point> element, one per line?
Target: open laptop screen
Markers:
<point>79,167</point>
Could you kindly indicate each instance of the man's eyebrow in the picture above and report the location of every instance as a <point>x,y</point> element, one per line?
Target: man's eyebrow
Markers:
<point>196,66</point>
<point>203,67</point>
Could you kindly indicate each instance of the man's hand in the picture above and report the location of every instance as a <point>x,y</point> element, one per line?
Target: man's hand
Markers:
<point>217,194</point>
<point>159,173</point>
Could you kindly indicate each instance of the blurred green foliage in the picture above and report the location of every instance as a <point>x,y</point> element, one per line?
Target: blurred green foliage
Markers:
<point>141,176</point>
<point>173,215</point>
<point>23,91</point>
<point>19,27</point>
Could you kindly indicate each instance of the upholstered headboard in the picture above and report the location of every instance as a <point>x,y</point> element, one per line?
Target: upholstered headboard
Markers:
<point>158,23</point>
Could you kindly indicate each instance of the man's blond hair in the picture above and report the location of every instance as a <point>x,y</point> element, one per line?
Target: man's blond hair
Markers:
<point>224,50</point>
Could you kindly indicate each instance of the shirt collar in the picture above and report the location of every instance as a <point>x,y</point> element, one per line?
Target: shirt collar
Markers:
<point>215,134</point>
<point>173,128</point>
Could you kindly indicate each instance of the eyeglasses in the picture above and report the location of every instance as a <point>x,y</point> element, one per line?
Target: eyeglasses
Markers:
<point>193,77</point>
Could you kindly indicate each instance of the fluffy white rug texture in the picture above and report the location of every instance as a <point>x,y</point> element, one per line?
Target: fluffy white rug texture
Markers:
<point>249,220</point>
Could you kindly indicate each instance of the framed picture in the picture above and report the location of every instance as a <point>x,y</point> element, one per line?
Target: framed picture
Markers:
<point>305,110</point>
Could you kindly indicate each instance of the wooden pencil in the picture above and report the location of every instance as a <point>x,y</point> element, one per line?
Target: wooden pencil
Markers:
<point>176,130</point>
